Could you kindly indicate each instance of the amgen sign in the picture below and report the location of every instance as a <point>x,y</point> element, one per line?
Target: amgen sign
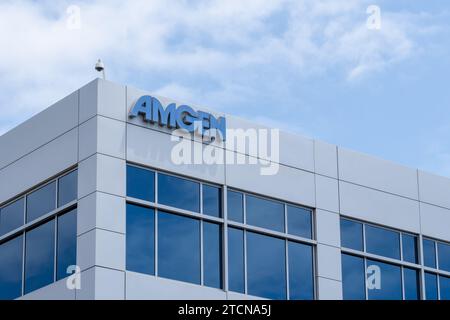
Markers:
<point>182,116</point>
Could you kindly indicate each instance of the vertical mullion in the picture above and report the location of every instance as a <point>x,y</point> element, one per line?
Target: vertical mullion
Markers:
<point>202,270</point>
<point>436,254</point>
<point>438,283</point>
<point>225,238</point>
<point>285,219</point>
<point>401,245</point>
<point>422,270</point>
<point>23,243</point>
<point>55,246</point>
<point>201,198</point>
<point>57,192</point>
<point>437,268</point>
<point>286,247</point>
<point>364,236</point>
<point>23,260</point>
<point>156,224</point>
<point>365,278</point>
<point>402,269</point>
<point>244,210</point>
<point>156,241</point>
<point>245,261</point>
<point>286,252</point>
<point>56,231</point>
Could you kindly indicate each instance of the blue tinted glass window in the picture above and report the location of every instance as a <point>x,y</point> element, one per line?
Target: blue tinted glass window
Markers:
<point>429,253</point>
<point>301,281</point>
<point>384,281</point>
<point>11,269</point>
<point>178,248</point>
<point>235,206</point>
<point>353,278</point>
<point>39,256</point>
<point>382,242</point>
<point>66,254</point>
<point>236,260</point>
<point>412,284</point>
<point>265,213</point>
<point>140,183</point>
<point>444,285</point>
<point>431,290</point>
<point>266,266</point>
<point>444,256</point>
<point>409,244</point>
<point>140,240</point>
<point>352,234</point>
<point>212,259</point>
<point>211,201</point>
<point>11,216</point>
<point>177,192</point>
<point>299,221</point>
<point>41,201</point>
<point>67,188</point>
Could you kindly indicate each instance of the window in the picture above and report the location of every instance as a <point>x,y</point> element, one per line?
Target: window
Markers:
<point>431,291</point>
<point>353,278</point>
<point>299,221</point>
<point>39,256</point>
<point>11,216</point>
<point>390,280</point>
<point>444,286</point>
<point>67,243</point>
<point>178,192</point>
<point>265,213</point>
<point>301,277</point>
<point>212,260</point>
<point>185,242</point>
<point>236,260</point>
<point>444,256</point>
<point>352,234</point>
<point>41,250</point>
<point>429,253</point>
<point>11,268</point>
<point>211,200</point>
<point>67,188</point>
<point>235,208</point>
<point>382,242</point>
<point>41,201</point>
<point>140,239</point>
<point>178,256</point>
<point>140,183</point>
<point>266,268</point>
<point>409,246</point>
<point>412,284</point>
<point>398,280</point>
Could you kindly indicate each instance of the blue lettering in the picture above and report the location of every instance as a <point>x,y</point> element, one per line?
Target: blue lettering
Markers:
<point>183,117</point>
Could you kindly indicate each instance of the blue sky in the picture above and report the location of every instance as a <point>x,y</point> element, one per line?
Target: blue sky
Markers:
<point>307,66</point>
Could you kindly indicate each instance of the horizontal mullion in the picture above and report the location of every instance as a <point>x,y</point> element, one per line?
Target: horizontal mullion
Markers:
<point>37,221</point>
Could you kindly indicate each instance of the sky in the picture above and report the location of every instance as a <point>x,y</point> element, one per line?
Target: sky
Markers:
<point>312,67</point>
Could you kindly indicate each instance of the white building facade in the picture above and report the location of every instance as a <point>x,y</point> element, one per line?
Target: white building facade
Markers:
<point>86,188</point>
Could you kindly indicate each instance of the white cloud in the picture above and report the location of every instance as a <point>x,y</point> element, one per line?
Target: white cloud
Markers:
<point>223,41</point>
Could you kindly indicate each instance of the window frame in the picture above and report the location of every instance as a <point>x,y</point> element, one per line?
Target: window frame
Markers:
<point>226,223</point>
<point>51,216</point>
<point>419,266</point>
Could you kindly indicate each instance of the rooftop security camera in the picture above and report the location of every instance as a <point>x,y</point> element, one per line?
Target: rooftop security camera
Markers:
<point>100,67</point>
